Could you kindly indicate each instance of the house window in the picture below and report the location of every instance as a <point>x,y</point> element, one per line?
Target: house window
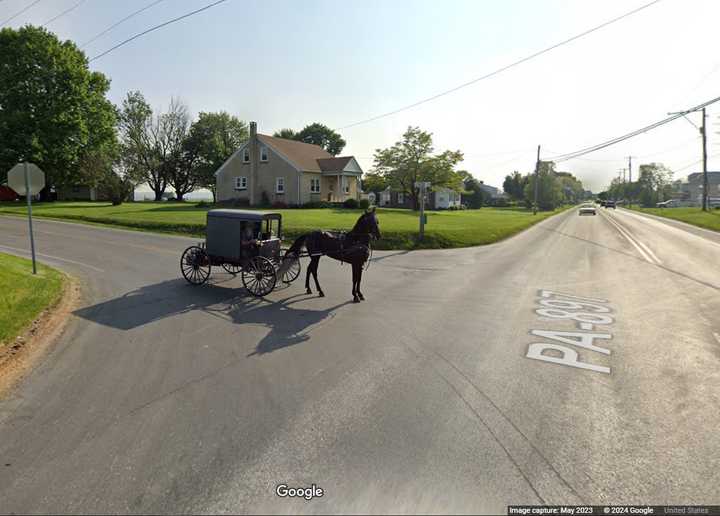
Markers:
<point>263,154</point>
<point>347,188</point>
<point>241,183</point>
<point>246,155</point>
<point>401,198</point>
<point>280,185</point>
<point>315,185</point>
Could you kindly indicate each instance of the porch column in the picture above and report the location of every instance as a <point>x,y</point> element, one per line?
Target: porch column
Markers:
<point>338,186</point>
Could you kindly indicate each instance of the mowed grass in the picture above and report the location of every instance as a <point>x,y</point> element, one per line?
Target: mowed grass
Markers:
<point>705,219</point>
<point>22,295</point>
<point>444,229</point>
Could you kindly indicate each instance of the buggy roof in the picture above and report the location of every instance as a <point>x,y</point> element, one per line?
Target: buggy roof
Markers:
<point>227,213</point>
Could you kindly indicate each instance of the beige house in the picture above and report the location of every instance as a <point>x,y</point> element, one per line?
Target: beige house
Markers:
<point>286,171</point>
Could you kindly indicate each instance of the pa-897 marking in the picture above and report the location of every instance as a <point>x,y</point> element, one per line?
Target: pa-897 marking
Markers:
<point>587,313</point>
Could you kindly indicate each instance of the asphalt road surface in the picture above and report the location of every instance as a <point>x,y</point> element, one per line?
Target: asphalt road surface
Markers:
<point>466,382</point>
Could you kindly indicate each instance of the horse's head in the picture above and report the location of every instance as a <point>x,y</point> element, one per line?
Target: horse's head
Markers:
<point>368,224</point>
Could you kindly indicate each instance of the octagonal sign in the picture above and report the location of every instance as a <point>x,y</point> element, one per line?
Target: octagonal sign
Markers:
<point>36,178</point>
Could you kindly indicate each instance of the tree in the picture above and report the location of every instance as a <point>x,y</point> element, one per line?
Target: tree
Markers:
<point>374,183</point>
<point>549,188</point>
<point>476,197</point>
<point>153,147</point>
<point>410,160</point>
<point>322,135</point>
<point>180,158</point>
<point>53,109</point>
<point>514,185</point>
<point>652,183</point>
<point>571,188</point>
<point>288,134</point>
<point>214,137</point>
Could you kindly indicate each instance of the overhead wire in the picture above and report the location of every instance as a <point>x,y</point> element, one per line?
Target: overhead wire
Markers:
<point>156,27</point>
<point>19,13</point>
<point>111,27</point>
<point>504,68</point>
<point>63,13</point>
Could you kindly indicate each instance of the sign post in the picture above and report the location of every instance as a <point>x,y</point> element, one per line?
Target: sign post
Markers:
<point>27,179</point>
<point>422,187</point>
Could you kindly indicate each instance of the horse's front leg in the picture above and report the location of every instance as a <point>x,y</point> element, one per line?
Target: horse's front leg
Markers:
<point>359,280</point>
<point>356,299</point>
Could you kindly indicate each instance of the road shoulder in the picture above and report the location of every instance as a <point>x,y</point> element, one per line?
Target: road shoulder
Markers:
<point>18,358</point>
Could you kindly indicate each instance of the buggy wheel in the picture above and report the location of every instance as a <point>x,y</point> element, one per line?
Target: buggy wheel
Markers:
<point>290,268</point>
<point>195,265</point>
<point>259,277</point>
<point>231,268</point>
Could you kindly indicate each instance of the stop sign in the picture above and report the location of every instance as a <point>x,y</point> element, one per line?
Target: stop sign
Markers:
<point>36,178</point>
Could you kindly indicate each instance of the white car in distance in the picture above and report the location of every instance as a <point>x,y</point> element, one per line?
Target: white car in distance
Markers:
<point>587,209</point>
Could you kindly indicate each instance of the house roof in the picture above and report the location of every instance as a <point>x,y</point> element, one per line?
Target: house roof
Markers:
<point>333,164</point>
<point>305,155</point>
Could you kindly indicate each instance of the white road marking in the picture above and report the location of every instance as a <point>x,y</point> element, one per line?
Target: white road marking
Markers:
<point>586,326</point>
<point>633,241</point>
<point>27,253</point>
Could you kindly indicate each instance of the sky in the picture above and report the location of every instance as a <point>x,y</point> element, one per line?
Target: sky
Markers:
<point>288,63</point>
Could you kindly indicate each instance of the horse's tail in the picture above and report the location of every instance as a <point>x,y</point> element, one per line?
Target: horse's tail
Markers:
<point>297,245</point>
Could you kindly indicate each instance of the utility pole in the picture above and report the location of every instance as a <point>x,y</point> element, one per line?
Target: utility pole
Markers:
<point>537,172</point>
<point>704,159</point>
<point>703,133</point>
<point>630,192</point>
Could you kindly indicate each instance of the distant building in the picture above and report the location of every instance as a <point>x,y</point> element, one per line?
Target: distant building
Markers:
<point>492,191</point>
<point>694,187</point>
<point>440,198</point>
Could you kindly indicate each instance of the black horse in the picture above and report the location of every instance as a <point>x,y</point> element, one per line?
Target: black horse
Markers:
<point>352,247</point>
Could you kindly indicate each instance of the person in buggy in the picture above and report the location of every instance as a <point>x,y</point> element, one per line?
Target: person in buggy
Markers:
<point>248,238</point>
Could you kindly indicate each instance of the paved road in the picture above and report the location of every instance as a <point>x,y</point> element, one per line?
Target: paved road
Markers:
<point>167,398</point>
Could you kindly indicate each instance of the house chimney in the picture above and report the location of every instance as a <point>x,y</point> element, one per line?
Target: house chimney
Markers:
<point>253,145</point>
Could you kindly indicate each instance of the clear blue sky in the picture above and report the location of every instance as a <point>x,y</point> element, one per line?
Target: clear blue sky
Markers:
<point>287,63</point>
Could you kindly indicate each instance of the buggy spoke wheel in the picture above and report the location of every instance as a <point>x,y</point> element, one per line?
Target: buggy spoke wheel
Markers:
<point>259,276</point>
<point>231,268</point>
<point>291,268</point>
<point>195,265</point>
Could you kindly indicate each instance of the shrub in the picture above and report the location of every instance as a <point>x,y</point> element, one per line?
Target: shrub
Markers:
<point>317,204</point>
<point>240,203</point>
<point>279,205</point>
<point>364,204</point>
<point>350,203</point>
<point>264,198</point>
<point>203,204</point>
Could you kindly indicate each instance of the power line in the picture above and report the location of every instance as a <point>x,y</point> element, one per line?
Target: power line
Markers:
<point>151,29</point>
<point>504,68</point>
<point>19,13</point>
<point>111,27</point>
<point>64,12</point>
<point>594,148</point>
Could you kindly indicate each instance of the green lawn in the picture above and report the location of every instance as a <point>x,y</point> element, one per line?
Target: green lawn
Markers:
<point>695,216</point>
<point>399,227</point>
<point>22,295</point>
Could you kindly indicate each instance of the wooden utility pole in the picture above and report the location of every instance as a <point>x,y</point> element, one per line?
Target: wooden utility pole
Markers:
<point>630,192</point>
<point>537,172</point>
<point>704,160</point>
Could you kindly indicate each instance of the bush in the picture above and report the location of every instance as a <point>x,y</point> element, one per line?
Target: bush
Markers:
<point>264,199</point>
<point>240,203</point>
<point>317,204</point>
<point>204,204</point>
<point>364,204</point>
<point>351,204</point>
<point>279,205</point>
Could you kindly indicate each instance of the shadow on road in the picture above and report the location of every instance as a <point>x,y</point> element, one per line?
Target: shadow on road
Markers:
<point>288,324</point>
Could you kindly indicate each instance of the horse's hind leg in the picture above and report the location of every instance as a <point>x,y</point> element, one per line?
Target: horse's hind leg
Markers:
<point>314,266</point>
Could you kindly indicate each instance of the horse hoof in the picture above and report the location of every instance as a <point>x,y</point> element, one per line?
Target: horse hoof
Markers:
<point>308,291</point>
<point>362,298</point>
<point>356,300</point>
<point>321,294</point>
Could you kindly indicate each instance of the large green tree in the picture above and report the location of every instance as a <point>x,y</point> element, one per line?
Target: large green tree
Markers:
<point>288,134</point>
<point>653,183</point>
<point>411,160</point>
<point>213,138</point>
<point>53,109</point>
<point>549,188</point>
<point>514,185</point>
<point>322,135</point>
